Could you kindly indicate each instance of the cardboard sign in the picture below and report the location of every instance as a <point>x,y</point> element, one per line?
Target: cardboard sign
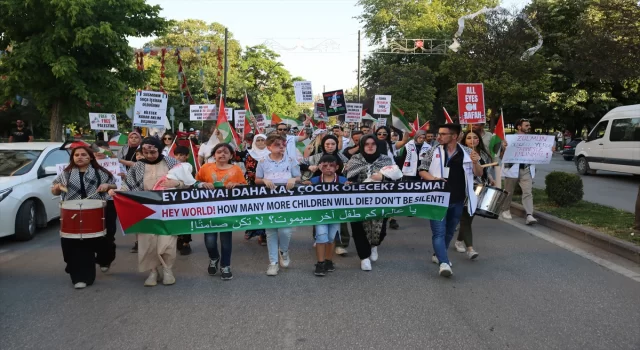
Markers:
<point>334,102</point>
<point>103,121</point>
<point>354,113</point>
<point>471,103</point>
<point>303,91</point>
<point>381,122</point>
<point>111,164</point>
<point>202,112</point>
<point>529,149</point>
<point>382,105</point>
<point>239,118</point>
<point>150,109</point>
<point>320,112</point>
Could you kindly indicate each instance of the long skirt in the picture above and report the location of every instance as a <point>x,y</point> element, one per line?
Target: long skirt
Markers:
<point>155,251</point>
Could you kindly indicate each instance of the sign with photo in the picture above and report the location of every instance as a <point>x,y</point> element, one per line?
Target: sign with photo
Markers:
<point>320,112</point>
<point>334,102</point>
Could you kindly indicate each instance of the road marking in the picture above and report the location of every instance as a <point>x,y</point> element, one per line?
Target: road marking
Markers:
<point>583,253</point>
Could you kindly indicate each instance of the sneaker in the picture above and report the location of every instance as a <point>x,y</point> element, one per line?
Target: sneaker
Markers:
<point>394,224</point>
<point>152,280</point>
<point>272,270</point>
<point>247,235</point>
<point>531,220</point>
<point>506,215</point>
<point>105,268</point>
<point>341,251</point>
<point>472,254</point>
<point>185,249</point>
<point>226,273</point>
<point>374,254</point>
<point>80,285</point>
<point>434,259</point>
<point>135,248</point>
<point>320,270</point>
<point>328,266</point>
<point>167,277</point>
<point>213,267</point>
<point>365,265</point>
<point>262,240</point>
<point>460,247</point>
<point>284,259</point>
<point>445,270</point>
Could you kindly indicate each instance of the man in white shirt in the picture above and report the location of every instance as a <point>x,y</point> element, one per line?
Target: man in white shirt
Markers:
<point>291,151</point>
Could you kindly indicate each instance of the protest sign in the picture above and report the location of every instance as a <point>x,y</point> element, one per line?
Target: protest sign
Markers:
<point>382,104</point>
<point>528,149</point>
<point>175,212</point>
<point>471,103</point>
<point>303,91</point>
<point>320,112</point>
<point>354,113</point>
<point>239,120</point>
<point>111,164</point>
<point>202,112</point>
<point>150,108</point>
<point>334,102</point>
<point>261,121</point>
<point>381,122</point>
<point>103,121</point>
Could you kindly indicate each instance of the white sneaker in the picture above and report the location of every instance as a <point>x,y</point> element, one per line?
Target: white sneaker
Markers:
<point>167,277</point>
<point>80,285</point>
<point>506,215</point>
<point>284,259</point>
<point>460,247</point>
<point>445,270</point>
<point>472,254</point>
<point>104,268</point>
<point>152,280</point>
<point>374,254</point>
<point>365,265</point>
<point>272,270</point>
<point>341,251</point>
<point>531,220</point>
<point>434,259</point>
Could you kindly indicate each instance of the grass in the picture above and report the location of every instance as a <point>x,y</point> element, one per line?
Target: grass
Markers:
<point>614,222</point>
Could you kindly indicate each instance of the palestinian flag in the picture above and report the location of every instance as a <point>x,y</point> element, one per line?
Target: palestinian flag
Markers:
<point>276,119</point>
<point>119,140</point>
<point>447,117</point>
<point>498,137</point>
<point>182,139</point>
<point>229,134</point>
<point>248,117</point>
<point>398,121</point>
<point>426,126</point>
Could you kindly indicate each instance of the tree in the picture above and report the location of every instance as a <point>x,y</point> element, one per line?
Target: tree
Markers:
<point>66,52</point>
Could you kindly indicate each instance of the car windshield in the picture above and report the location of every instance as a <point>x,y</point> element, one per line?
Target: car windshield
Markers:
<point>17,162</point>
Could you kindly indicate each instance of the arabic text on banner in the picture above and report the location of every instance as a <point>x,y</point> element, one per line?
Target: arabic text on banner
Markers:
<point>150,108</point>
<point>103,121</point>
<point>176,212</point>
<point>528,149</point>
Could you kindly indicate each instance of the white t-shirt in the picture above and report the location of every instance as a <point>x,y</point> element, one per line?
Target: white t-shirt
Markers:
<point>345,142</point>
<point>205,152</point>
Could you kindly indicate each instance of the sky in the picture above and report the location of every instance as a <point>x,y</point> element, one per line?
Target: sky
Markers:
<point>317,39</point>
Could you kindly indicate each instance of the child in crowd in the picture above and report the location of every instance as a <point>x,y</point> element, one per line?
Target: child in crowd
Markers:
<point>277,169</point>
<point>326,233</point>
<point>181,154</point>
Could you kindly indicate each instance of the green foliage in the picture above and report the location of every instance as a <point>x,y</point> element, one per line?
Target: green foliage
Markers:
<point>563,188</point>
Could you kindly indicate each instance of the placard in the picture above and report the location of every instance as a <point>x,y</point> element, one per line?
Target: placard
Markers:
<point>239,118</point>
<point>334,102</point>
<point>381,122</point>
<point>320,112</point>
<point>471,103</point>
<point>528,149</point>
<point>261,121</point>
<point>303,91</point>
<point>228,112</point>
<point>382,105</point>
<point>111,164</point>
<point>354,113</point>
<point>150,108</point>
<point>203,112</point>
<point>103,121</point>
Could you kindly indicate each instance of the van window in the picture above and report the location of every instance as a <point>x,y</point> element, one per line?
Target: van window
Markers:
<point>627,129</point>
<point>598,131</point>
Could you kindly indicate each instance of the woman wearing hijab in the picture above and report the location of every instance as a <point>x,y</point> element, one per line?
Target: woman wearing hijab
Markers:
<point>415,150</point>
<point>328,145</point>
<point>362,166</point>
<point>127,154</point>
<point>154,250</point>
<point>391,149</point>
<point>257,153</point>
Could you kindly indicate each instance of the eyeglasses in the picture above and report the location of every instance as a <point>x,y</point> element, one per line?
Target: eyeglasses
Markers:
<point>382,134</point>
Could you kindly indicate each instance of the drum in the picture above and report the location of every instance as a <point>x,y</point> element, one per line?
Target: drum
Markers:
<point>490,201</point>
<point>82,218</point>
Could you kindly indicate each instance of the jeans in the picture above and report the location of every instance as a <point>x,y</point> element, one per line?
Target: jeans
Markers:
<point>278,238</point>
<point>327,233</point>
<point>442,231</point>
<point>211,242</point>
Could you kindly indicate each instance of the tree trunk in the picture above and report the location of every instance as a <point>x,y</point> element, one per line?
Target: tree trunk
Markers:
<point>55,126</point>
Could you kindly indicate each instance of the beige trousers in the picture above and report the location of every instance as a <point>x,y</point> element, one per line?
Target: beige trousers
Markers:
<point>526,184</point>
<point>155,251</point>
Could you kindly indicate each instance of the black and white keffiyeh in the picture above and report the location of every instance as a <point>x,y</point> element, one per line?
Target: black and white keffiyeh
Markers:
<point>135,175</point>
<point>358,167</point>
<point>71,180</point>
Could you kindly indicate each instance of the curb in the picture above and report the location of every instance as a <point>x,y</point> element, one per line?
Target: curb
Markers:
<point>612,245</point>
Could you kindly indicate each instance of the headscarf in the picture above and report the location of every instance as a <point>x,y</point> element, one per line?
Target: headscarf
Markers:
<point>370,158</point>
<point>325,139</point>
<point>363,163</point>
<point>152,143</point>
<point>418,134</point>
<point>256,153</point>
<point>128,136</point>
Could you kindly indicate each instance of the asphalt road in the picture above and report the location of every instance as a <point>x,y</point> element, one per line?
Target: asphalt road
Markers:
<point>607,188</point>
<point>522,293</point>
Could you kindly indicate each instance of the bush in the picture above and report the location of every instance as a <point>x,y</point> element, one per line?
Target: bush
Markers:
<point>563,188</point>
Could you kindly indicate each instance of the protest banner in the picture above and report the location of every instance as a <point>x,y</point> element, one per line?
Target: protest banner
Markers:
<point>303,91</point>
<point>150,109</point>
<point>382,104</point>
<point>175,212</point>
<point>202,112</point>
<point>471,103</point>
<point>528,149</point>
<point>381,122</point>
<point>334,102</point>
<point>103,121</point>
<point>320,112</point>
<point>111,164</point>
<point>239,120</point>
<point>354,113</point>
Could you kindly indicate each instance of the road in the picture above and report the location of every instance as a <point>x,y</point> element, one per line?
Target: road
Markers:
<point>611,189</point>
<point>522,293</point>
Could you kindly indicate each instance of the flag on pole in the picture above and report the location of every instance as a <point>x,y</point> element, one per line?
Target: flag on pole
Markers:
<point>229,135</point>
<point>447,117</point>
<point>398,121</point>
<point>248,114</point>
<point>498,137</point>
<point>276,119</point>
<point>193,156</point>
<point>426,126</point>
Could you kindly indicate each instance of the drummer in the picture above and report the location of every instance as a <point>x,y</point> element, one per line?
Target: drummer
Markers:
<point>82,179</point>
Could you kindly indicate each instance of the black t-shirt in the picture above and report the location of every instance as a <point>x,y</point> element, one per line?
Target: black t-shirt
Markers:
<point>456,182</point>
<point>21,135</point>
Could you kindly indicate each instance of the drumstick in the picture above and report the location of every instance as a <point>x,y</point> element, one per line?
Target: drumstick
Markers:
<point>63,188</point>
<point>488,165</point>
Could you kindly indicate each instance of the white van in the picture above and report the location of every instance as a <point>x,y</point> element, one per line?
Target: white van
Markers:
<point>613,144</point>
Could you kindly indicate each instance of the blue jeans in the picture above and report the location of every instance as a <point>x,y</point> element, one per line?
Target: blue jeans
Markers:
<point>327,233</point>
<point>278,238</point>
<point>211,242</point>
<point>442,231</point>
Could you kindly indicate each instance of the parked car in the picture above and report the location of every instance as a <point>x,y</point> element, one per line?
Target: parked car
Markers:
<point>569,150</point>
<point>613,144</point>
<point>26,173</point>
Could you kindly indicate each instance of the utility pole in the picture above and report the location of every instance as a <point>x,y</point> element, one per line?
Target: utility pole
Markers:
<point>226,62</point>
<point>358,66</point>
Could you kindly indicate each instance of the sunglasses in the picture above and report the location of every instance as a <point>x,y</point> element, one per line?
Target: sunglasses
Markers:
<point>283,129</point>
